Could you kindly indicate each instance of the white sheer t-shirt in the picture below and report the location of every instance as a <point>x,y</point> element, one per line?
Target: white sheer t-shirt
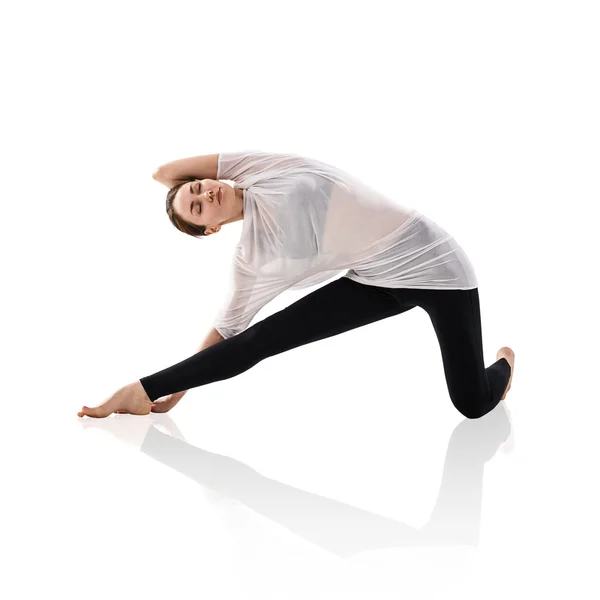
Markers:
<point>305,221</point>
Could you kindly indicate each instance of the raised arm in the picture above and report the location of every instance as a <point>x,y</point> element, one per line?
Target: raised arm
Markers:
<point>195,167</point>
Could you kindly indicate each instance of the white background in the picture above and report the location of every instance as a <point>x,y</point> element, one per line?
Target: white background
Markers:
<point>361,478</point>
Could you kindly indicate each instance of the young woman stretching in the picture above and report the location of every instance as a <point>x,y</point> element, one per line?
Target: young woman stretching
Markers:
<point>304,221</point>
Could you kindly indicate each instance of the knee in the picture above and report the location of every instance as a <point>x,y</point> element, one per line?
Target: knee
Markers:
<point>469,409</point>
<point>471,415</point>
<point>261,341</point>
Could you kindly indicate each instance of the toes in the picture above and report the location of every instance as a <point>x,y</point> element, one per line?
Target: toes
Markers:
<point>97,412</point>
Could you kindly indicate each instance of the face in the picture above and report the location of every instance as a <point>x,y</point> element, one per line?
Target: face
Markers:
<point>198,202</point>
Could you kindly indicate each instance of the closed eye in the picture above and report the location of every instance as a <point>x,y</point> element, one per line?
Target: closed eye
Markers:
<point>192,202</point>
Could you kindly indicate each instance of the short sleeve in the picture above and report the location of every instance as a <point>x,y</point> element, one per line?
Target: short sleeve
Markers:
<point>249,293</point>
<point>249,167</point>
<point>236,166</point>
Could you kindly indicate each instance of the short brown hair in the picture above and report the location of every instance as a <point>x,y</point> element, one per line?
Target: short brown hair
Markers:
<point>181,224</point>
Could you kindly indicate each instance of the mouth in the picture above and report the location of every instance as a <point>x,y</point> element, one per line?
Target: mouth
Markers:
<point>219,195</point>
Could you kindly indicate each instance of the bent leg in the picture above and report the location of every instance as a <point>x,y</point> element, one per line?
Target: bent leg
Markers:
<point>339,306</point>
<point>456,318</point>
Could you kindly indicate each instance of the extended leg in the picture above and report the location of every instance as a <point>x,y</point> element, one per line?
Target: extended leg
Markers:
<point>330,310</point>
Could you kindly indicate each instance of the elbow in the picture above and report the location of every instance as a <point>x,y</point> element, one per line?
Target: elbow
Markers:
<point>160,176</point>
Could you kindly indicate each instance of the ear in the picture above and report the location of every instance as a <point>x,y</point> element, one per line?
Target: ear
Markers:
<point>211,230</point>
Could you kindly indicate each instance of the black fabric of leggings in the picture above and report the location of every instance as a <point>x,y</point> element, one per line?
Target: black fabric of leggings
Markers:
<point>342,305</point>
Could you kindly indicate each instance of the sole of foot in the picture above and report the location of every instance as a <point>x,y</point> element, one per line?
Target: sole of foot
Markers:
<point>131,399</point>
<point>509,355</point>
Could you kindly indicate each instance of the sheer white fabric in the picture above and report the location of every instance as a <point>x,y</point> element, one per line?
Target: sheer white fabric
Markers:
<point>305,221</point>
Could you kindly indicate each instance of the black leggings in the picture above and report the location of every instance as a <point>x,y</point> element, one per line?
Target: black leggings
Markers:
<point>342,305</point>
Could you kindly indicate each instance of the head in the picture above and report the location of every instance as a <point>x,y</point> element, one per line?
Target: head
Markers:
<point>193,206</point>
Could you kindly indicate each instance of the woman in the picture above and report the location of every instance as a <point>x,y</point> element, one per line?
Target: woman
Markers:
<point>304,221</point>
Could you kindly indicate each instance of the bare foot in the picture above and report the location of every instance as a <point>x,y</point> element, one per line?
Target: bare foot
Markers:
<point>131,398</point>
<point>509,355</point>
<point>162,405</point>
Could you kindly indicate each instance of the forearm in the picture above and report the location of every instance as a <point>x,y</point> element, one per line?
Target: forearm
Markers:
<point>194,167</point>
<point>169,377</point>
<point>216,361</point>
<point>168,181</point>
<point>213,337</point>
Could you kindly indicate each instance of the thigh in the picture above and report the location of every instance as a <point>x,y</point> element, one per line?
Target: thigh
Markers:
<point>456,318</point>
<point>339,306</point>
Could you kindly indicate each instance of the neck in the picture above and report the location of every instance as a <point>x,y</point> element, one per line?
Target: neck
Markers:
<point>239,196</point>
